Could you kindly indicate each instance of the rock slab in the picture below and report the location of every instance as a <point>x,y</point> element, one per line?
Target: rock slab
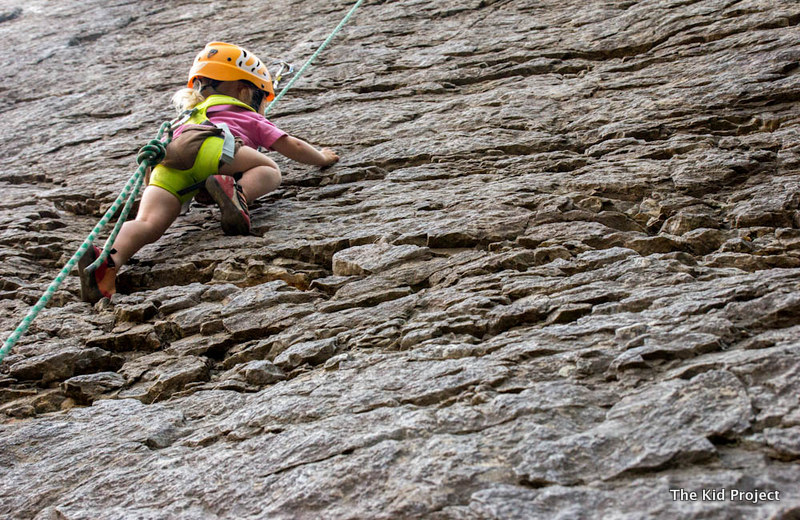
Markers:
<point>554,275</point>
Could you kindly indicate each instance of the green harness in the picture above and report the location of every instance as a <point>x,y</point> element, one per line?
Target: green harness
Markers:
<point>199,116</point>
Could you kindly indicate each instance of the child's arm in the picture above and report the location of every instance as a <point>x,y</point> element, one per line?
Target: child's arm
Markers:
<point>300,151</point>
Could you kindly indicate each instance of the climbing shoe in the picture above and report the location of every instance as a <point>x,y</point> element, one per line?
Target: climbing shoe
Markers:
<point>228,195</point>
<point>100,282</point>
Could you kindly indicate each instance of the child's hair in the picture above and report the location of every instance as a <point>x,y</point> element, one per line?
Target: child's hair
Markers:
<point>188,98</point>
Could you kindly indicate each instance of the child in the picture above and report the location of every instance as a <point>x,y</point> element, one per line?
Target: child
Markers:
<point>229,88</point>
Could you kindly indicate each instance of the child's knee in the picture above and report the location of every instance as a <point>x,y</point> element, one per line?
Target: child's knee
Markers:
<point>272,164</point>
<point>277,172</point>
<point>272,174</point>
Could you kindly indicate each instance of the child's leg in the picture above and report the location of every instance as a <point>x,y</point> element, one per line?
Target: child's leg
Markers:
<point>260,174</point>
<point>158,209</point>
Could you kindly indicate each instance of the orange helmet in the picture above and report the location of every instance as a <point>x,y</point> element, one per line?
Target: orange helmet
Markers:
<point>227,62</point>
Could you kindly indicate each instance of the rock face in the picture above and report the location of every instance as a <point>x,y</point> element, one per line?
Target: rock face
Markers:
<point>555,275</point>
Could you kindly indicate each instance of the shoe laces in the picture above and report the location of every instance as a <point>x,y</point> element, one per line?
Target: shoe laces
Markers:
<point>241,198</point>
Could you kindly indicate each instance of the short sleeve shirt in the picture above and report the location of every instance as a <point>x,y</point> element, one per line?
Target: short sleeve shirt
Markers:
<point>253,128</point>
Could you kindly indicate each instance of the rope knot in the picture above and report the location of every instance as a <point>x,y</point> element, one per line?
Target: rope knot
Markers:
<point>152,153</point>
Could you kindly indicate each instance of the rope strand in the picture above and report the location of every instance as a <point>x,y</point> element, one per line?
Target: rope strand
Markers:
<point>314,56</point>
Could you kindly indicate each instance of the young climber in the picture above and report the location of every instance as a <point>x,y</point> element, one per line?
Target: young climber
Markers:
<point>216,149</point>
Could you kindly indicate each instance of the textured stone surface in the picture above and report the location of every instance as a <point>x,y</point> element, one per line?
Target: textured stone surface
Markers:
<point>555,274</point>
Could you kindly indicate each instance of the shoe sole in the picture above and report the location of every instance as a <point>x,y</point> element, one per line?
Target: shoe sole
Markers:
<point>90,292</point>
<point>233,222</point>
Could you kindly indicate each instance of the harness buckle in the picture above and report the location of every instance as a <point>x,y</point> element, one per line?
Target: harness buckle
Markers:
<point>228,144</point>
<point>183,117</point>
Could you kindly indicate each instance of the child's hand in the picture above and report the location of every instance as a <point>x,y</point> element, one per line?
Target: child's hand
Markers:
<point>300,151</point>
<point>330,156</point>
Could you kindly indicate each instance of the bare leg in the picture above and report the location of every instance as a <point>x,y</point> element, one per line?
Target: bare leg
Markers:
<point>158,209</point>
<point>260,176</point>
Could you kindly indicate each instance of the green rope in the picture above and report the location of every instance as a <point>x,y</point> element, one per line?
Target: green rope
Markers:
<point>150,155</point>
<point>314,56</point>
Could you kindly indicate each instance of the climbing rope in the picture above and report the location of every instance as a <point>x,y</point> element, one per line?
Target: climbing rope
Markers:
<point>313,56</point>
<point>149,155</point>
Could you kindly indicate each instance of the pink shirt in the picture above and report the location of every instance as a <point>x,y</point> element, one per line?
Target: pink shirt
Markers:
<point>254,129</point>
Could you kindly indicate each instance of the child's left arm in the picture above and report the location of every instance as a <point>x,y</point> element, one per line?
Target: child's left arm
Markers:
<point>300,151</point>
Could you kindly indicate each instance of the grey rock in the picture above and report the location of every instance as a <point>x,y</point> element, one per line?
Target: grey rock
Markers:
<point>258,373</point>
<point>64,363</point>
<point>315,352</point>
<point>641,432</point>
<point>157,376</point>
<point>135,313</point>
<point>140,337</point>
<point>785,442</point>
<point>86,388</point>
<point>554,274</point>
<point>683,223</point>
<point>375,258</point>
